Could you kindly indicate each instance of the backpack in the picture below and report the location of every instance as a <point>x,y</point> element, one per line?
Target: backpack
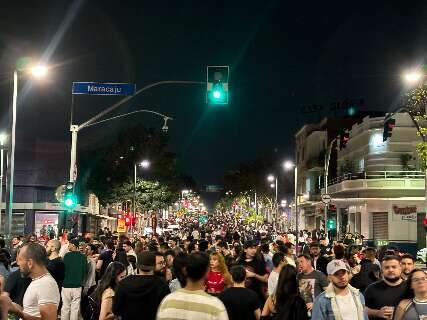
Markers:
<point>92,310</point>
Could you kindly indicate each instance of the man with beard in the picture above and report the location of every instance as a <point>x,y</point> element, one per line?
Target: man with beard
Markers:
<point>42,296</point>
<point>160,269</point>
<point>340,300</point>
<point>408,264</point>
<point>55,264</point>
<point>384,295</point>
<point>319,261</point>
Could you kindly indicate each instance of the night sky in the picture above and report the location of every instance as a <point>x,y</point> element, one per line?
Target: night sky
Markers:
<point>284,56</point>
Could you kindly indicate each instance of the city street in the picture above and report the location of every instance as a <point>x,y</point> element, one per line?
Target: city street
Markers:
<point>221,160</point>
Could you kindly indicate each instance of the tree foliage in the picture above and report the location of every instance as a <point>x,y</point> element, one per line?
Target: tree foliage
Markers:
<point>109,172</point>
<point>416,104</point>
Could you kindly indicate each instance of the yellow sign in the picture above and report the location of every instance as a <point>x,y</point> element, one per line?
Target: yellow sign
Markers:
<point>121,226</point>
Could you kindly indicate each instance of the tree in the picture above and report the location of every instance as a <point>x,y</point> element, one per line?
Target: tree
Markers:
<point>150,195</point>
<point>416,105</point>
<point>109,171</point>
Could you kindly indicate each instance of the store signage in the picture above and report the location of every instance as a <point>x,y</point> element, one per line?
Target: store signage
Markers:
<point>404,210</point>
<point>408,213</point>
<point>121,226</point>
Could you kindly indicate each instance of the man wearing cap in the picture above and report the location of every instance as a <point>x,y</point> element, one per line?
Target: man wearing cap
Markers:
<point>76,269</point>
<point>256,275</point>
<point>340,301</point>
<point>139,296</point>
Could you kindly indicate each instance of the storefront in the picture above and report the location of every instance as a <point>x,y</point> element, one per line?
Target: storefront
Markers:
<point>46,224</point>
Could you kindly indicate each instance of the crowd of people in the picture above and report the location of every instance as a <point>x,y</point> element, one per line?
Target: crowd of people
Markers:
<point>208,271</point>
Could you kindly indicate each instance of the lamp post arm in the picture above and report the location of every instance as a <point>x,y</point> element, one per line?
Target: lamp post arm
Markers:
<point>126,99</point>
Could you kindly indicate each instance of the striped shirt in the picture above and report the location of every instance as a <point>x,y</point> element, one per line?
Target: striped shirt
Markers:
<point>184,304</point>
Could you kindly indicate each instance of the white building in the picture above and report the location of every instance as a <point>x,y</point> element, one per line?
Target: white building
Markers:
<point>379,190</point>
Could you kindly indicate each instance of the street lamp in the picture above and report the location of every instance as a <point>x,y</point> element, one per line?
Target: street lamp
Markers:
<point>145,164</point>
<point>412,77</point>
<point>38,71</point>
<point>3,137</point>
<point>274,185</point>
<point>288,165</point>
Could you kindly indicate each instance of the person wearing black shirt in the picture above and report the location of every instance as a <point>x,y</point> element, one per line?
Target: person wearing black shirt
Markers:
<point>240,302</point>
<point>16,285</point>
<point>104,259</point>
<point>256,275</point>
<point>139,296</point>
<point>319,261</point>
<point>383,296</point>
<point>55,265</point>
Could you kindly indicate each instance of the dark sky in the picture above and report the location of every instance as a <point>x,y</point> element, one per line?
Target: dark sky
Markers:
<point>283,55</point>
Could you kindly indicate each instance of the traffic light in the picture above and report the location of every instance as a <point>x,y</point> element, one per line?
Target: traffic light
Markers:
<point>70,199</point>
<point>388,128</point>
<point>344,137</point>
<point>217,85</point>
<point>128,220</point>
<point>425,224</point>
<point>331,224</point>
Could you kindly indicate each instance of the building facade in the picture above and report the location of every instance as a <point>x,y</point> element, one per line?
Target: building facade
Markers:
<point>379,189</point>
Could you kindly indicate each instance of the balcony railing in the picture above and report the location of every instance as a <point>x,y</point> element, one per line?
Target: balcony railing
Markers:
<point>378,175</point>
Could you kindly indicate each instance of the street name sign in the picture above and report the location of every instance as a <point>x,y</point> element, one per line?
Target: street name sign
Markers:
<point>104,89</point>
<point>326,198</point>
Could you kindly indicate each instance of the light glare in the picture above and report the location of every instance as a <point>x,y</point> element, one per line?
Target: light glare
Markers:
<point>39,71</point>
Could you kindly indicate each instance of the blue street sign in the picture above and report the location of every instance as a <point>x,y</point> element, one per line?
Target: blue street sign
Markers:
<point>104,89</point>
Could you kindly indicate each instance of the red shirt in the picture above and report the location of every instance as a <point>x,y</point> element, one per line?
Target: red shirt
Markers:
<point>215,282</point>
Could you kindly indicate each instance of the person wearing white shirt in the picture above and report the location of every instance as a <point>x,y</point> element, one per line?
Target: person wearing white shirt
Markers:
<point>278,262</point>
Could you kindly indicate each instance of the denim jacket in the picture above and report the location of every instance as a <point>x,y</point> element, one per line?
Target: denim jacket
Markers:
<point>325,306</point>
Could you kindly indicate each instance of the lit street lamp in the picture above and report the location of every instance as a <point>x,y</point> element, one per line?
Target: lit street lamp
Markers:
<point>145,164</point>
<point>274,185</point>
<point>38,71</point>
<point>412,77</point>
<point>288,165</point>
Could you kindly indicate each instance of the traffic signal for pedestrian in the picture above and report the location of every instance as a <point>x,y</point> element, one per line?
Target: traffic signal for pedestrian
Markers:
<point>217,78</point>
<point>331,224</point>
<point>70,199</point>
<point>388,128</point>
<point>344,137</point>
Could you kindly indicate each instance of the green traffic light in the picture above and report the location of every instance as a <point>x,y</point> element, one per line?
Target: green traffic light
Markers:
<point>217,94</point>
<point>69,202</point>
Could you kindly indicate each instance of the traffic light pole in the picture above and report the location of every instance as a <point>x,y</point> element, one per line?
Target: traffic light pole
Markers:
<point>327,159</point>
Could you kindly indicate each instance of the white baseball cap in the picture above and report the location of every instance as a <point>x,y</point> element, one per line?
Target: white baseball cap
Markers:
<point>336,265</point>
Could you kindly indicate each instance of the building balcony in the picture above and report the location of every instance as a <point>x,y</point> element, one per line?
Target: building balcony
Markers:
<point>383,181</point>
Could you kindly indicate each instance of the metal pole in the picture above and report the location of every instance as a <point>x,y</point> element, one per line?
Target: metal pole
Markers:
<point>296,209</point>
<point>1,182</point>
<point>73,167</point>
<point>275,207</point>
<point>327,159</point>
<point>11,154</point>
<point>134,193</point>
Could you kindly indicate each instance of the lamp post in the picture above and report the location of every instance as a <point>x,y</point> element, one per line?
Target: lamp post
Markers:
<point>288,165</point>
<point>145,164</point>
<point>273,185</point>
<point>3,138</point>
<point>38,71</point>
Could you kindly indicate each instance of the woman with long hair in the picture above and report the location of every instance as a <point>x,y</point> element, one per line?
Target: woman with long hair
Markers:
<point>286,303</point>
<point>119,255</point>
<point>102,298</point>
<point>218,277</point>
<point>415,307</point>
